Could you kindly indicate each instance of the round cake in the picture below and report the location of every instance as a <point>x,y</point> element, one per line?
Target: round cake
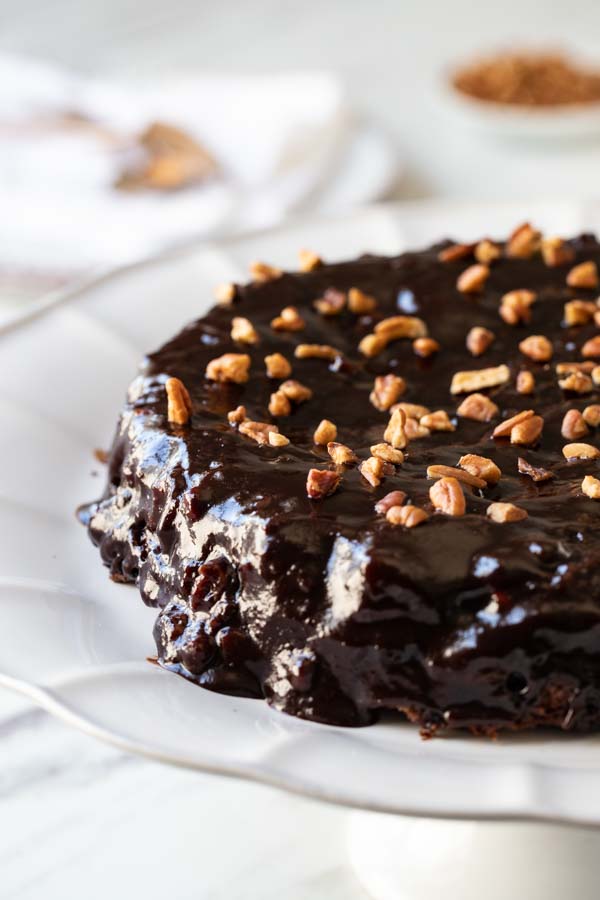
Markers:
<point>372,486</point>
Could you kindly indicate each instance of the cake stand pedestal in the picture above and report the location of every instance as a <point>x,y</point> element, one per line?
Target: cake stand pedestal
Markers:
<point>399,858</point>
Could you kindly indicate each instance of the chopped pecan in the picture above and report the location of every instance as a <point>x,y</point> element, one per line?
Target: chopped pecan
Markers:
<point>295,391</point>
<point>573,425</point>
<point>387,454</point>
<point>386,390</point>
<point>360,303</point>
<point>506,512</point>
<point>261,271</point>
<point>526,433</point>
<point>584,275</point>
<point>225,293</point>
<point>258,431</point>
<point>325,432</point>
<point>475,380</point>
<point>556,252</point>
<point>394,498</point>
<point>447,497</point>
<point>371,469</point>
<point>479,339</point>
<point>279,404</point>
<point>515,306</point>
<point>425,347</point>
<point>179,403</point>
<point>472,280</point>
<point>525,382</point>
<point>481,467</point>
<point>316,351</point>
<point>394,433</point>
<point>505,427</point>
<point>578,382</point>
<point>412,410</point>
<point>229,367</point>
<point>243,330</point>
<point>591,415</point>
<point>331,303</point>
<point>565,368</point>
<point>278,440</point>
<point>237,415</point>
<point>596,375</point>
<point>309,261</point>
<point>414,430</point>
<point>591,487</point>
<point>409,516</point>
<point>372,344</point>
<point>397,327</point>
<point>341,455</point>
<point>478,407</point>
<point>277,366</point>
<point>459,474</point>
<point>455,252</point>
<point>591,348</point>
<point>486,252</point>
<point>523,242</point>
<point>321,483</point>
<point>537,347</point>
<point>437,421</point>
<point>289,319</point>
<point>578,312</point>
<point>537,473</point>
<point>580,451</point>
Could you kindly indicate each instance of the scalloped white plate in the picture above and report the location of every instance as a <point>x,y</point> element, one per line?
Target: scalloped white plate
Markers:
<point>76,643</point>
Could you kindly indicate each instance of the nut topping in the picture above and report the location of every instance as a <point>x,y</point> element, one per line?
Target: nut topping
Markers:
<point>229,367</point>
<point>505,512</point>
<point>309,261</point>
<point>579,312</point>
<point>437,421</point>
<point>237,415</point>
<point>481,467</point>
<point>591,347</point>
<point>580,451</point>
<point>279,405</point>
<point>372,344</point>
<point>567,368</point>
<point>591,487</point>
<point>591,415</point>
<point>505,427</point>
<point>295,391</point>
<point>278,440</point>
<point>573,425</point>
<point>584,275</point>
<point>386,390</point>
<point>523,242</point>
<point>243,330</point>
<point>515,306</point>
<point>371,469</point>
<point>316,351</point>
<point>527,432</point>
<point>331,303</point>
<point>577,382</point>
<point>409,516</point>
<point>459,474</point>
<point>537,347</point>
<point>473,279</point>
<point>387,454</point>
<point>525,382</point>
<point>258,431</point>
<point>425,347</point>
<point>325,432</point>
<point>289,319</point>
<point>394,498</point>
<point>397,327</point>
<point>479,339</point>
<point>394,434</point>
<point>536,473</point>
<point>596,375</point>
<point>556,252</point>
<point>359,303</point>
<point>447,497</point>
<point>225,293</point>
<point>179,403</point>
<point>466,382</point>
<point>260,271</point>
<point>277,366</point>
<point>486,252</point>
<point>415,430</point>
<point>478,407</point>
<point>341,455</point>
<point>412,410</point>
<point>455,252</point>
<point>321,483</point>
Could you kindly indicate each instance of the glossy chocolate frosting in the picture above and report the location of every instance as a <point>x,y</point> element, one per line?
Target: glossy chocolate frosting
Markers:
<point>323,607</point>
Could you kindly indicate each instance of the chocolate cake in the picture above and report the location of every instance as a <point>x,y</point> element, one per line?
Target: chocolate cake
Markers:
<point>374,485</point>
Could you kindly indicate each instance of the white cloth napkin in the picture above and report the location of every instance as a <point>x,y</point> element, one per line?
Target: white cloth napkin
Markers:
<point>276,138</point>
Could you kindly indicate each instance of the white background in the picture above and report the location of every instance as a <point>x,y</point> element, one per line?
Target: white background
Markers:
<point>78,819</point>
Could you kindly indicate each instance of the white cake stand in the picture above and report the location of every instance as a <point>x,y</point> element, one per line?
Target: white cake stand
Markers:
<point>471,818</point>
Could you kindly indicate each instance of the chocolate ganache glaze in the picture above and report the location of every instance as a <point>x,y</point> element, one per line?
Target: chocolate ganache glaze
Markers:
<point>466,597</point>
